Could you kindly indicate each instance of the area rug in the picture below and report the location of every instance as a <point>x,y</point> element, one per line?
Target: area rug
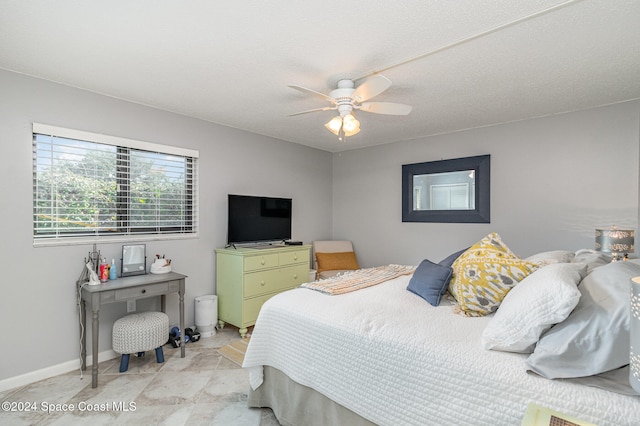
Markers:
<point>235,351</point>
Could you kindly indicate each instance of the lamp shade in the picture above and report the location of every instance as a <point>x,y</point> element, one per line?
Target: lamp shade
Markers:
<point>346,125</point>
<point>634,334</point>
<point>350,125</point>
<point>334,125</point>
<point>615,240</point>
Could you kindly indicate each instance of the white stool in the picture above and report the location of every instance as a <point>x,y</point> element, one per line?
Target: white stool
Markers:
<point>137,333</point>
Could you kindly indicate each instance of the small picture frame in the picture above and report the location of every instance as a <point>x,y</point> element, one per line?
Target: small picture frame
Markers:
<point>134,260</point>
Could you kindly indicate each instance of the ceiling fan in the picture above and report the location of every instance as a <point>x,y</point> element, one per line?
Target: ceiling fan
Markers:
<point>347,98</point>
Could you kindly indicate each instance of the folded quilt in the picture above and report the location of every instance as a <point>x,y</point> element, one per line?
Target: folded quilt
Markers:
<point>360,278</point>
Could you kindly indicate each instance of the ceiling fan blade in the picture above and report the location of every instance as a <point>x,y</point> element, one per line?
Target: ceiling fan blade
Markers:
<point>373,86</point>
<point>389,108</point>
<point>312,110</point>
<point>313,92</point>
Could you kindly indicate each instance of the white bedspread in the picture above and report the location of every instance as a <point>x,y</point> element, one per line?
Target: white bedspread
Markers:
<point>389,356</point>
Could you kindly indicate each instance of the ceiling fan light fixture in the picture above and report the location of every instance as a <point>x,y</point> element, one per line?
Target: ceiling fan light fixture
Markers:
<point>350,124</point>
<point>334,125</point>
<point>343,126</point>
<point>347,98</point>
<point>353,132</point>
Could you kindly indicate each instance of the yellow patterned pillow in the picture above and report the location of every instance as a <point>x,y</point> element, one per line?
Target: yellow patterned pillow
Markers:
<point>484,274</point>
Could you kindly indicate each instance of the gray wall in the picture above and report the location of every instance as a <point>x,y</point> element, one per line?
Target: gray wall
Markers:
<point>38,304</point>
<point>553,181</point>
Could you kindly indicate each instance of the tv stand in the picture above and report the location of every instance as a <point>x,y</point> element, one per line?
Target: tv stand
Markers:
<point>246,277</point>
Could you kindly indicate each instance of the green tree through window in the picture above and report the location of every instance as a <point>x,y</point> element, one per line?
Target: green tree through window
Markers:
<point>86,188</point>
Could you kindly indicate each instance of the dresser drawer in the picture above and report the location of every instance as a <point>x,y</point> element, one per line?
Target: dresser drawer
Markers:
<point>262,282</point>
<point>255,263</point>
<point>142,291</point>
<point>293,257</point>
<point>252,308</point>
<point>293,276</point>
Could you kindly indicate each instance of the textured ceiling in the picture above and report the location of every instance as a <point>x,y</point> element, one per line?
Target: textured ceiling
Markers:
<point>461,64</point>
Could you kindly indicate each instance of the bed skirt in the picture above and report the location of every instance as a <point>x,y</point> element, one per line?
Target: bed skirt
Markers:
<point>294,404</point>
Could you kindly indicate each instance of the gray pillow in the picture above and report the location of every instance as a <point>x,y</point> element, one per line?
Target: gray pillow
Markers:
<point>448,261</point>
<point>593,259</point>
<point>595,336</point>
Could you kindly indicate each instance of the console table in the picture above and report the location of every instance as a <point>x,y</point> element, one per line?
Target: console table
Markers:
<point>121,290</point>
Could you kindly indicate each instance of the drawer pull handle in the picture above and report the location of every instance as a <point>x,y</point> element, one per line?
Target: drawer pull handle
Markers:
<point>295,276</point>
<point>295,257</point>
<point>144,291</point>
<point>262,283</point>
<point>262,262</point>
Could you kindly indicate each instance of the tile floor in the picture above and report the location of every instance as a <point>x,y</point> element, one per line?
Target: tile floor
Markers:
<point>203,388</point>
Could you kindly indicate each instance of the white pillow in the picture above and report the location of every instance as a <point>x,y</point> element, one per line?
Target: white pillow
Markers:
<point>549,257</point>
<point>542,299</point>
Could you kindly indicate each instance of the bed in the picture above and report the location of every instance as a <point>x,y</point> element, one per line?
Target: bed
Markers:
<point>382,355</point>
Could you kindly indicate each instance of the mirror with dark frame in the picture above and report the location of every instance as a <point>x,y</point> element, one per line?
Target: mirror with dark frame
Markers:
<point>447,191</point>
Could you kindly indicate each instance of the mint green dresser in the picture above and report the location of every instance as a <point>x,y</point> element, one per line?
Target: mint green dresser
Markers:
<point>248,277</point>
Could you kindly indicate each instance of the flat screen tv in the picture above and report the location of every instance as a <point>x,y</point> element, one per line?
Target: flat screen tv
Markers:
<point>258,219</point>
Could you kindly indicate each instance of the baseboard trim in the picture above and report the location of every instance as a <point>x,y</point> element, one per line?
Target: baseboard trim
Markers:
<point>54,370</point>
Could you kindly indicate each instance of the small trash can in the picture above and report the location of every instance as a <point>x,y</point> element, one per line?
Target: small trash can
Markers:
<point>312,275</point>
<point>206,314</point>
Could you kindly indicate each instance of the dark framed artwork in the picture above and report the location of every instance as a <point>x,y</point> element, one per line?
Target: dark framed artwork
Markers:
<point>447,191</point>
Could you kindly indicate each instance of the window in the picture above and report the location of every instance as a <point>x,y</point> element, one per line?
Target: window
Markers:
<point>90,187</point>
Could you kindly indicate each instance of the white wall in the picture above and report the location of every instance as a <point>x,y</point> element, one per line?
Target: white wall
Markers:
<point>38,303</point>
<point>553,181</point>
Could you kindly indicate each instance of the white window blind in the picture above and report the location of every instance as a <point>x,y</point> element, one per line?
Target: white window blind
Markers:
<point>92,187</point>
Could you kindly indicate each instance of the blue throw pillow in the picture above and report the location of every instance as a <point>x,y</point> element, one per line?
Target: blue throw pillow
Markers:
<point>430,281</point>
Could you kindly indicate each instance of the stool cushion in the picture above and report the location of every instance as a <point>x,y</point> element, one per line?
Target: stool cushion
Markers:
<point>140,332</point>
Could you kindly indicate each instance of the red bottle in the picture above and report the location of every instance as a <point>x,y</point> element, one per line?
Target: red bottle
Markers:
<point>104,271</point>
